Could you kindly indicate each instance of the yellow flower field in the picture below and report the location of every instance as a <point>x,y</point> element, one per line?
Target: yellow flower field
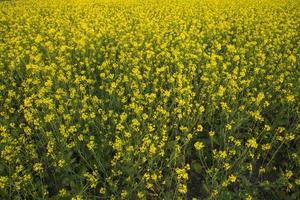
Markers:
<point>170,99</point>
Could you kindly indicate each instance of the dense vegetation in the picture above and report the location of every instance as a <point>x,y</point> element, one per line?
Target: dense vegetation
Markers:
<point>150,99</point>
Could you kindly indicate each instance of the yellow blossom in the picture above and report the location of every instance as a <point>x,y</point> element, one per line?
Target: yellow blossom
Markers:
<point>199,145</point>
<point>251,143</point>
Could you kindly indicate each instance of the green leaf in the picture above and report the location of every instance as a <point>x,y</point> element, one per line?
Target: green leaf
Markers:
<point>197,167</point>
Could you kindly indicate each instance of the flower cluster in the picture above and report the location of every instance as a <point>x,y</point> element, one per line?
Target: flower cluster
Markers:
<point>149,99</point>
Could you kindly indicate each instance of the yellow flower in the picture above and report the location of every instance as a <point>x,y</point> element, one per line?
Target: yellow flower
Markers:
<point>228,126</point>
<point>290,98</point>
<point>248,197</point>
<point>63,192</point>
<point>181,173</point>
<point>91,144</point>
<point>92,178</point>
<point>292,58</point>
<point>140,195</point>
<point>3,182</point>
<point>152,149</point>
<point>231,48</point>
<point>222,154</point>
<point>38,167</point>
<point>124,194</point>
<point>182,189</point>
<point>266,147</point>
<point>288,174</point>
<point>199,128</point>
<point>102,190</point>
<point>38,39</point>
<point>251,143</point>
<point>199,145</point>
<point>211,133</point>
<point>226,166</point>
<point>236,58</point>
<point>225,183</point>
<point>48,83</point>
<point>61,163</point>
<point>77,197</point>
<point>267,127</point>
<point>232,178</point>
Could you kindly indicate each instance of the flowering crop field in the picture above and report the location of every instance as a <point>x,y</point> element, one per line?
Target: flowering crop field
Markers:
<point>169,99</point>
